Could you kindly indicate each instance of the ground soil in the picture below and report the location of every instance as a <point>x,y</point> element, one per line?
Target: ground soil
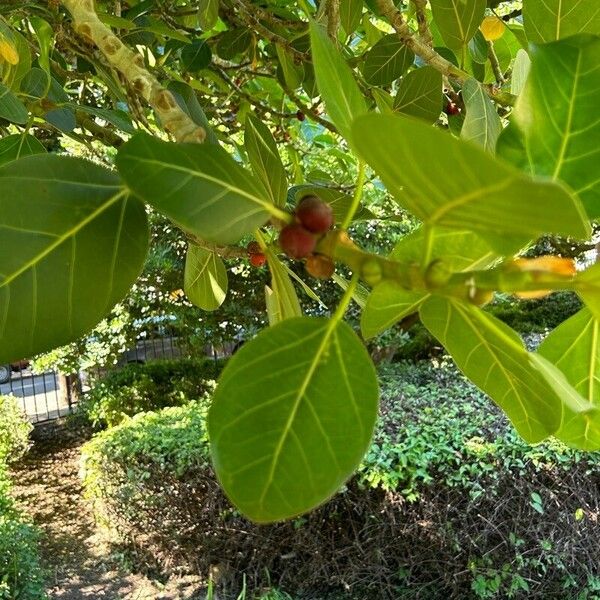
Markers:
<point>78,559</point>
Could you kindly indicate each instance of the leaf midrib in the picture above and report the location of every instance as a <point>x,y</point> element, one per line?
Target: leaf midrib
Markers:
<point>269,207</point>
<point>329,330</point>
<point>62,238</point>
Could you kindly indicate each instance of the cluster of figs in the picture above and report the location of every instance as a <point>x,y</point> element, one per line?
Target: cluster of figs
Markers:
<point>312,219</point>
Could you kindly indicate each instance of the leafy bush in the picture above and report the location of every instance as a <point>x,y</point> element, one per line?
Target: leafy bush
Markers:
<point>21,576</point>
<point>449,500</point>
<point>14,430</point>
<point>143,387</point>
<point>536,316</point>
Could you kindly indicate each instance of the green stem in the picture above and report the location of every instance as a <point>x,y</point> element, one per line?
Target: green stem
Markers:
<point>428,247</point>
<point>340,311</point>
<point>358,192</point>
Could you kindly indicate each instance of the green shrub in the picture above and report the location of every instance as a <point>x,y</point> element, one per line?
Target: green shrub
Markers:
<point>151,386</point>
<point>449,502</point>
<point>21,577</point>
<point>535,316</point>
<point>14,430</point>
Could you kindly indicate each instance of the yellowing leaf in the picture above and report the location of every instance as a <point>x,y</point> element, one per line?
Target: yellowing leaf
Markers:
<point>547,264</point>
<point>492,28</point>
<point>8,52</point>
<point>544,264</point>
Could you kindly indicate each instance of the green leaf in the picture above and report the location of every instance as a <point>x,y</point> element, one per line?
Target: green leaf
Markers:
<point>72,259</point>
<point>17,146</point>
<point>305,287</point>
<point>387,60</point>
<point>339,90</point>
<point>62,118</point>
<point>383,100</point>
<point>284,302</point>
<point>208,13</point>
<point>482,124</point>
<point>389,303</point>
<point>45,36</point>
<point>119,118</point>
<point>528,388</point>
<point>420,94</point>
<point>458,20</point>
<point>556,118</point>
<point>292,416</point>
<point>453,184</point>
<point>11,108</point>
<point>196,56</point>
<point>550,20</point>
<point>234,42</point>
<point>460,250</point>
<point>35,84</point>
<point>265,160</point>
<point>205,278</point>
<point>521,68</point>
<point>292,73</point>
<point>188,101</point>
<point>350,14</point>
<point>199,186</point>
<point>574,348</point>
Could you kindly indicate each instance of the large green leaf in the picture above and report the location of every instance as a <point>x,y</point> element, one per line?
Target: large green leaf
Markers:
<point>482,124</point>
<point>71,246</point>
<point>205,278</point>
<point>234,42</point>
<point>350,14</point>
<point>265,160</point>
<point>550,20</point>
<point>11,108</point>
<point>291,74</point>
<point>387,60</point>
<point>420,94</point>
<point>529,390</point>
<point>450,183</point>
<point>195,56</point>
<point>389,302</point>
<point>292,416</point>
<point>386,305</point>
<point>208,13</point>
<point>17,146</point>
<point>575,349</point>
<point>339,90</point>
<point>556,127</point>
<point>283,301</point>
<point>457,20</point>
<point>460,250</point>
<point>199,186</point>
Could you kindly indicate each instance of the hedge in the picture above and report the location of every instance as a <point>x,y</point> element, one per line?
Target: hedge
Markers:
<point>21,577</point>
<point>449,502</point>
<point>150,386</point>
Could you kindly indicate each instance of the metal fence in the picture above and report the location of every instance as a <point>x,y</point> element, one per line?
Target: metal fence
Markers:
<point>48,396</point>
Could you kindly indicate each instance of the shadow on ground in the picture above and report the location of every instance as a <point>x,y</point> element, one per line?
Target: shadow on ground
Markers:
<point>78,560</point>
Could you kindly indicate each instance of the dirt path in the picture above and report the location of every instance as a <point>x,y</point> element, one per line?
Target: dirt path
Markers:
<point>79,562</point>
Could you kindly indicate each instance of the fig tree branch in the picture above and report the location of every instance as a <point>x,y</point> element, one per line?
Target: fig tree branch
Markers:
<point>131,65</point>
<point>430,56</point>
